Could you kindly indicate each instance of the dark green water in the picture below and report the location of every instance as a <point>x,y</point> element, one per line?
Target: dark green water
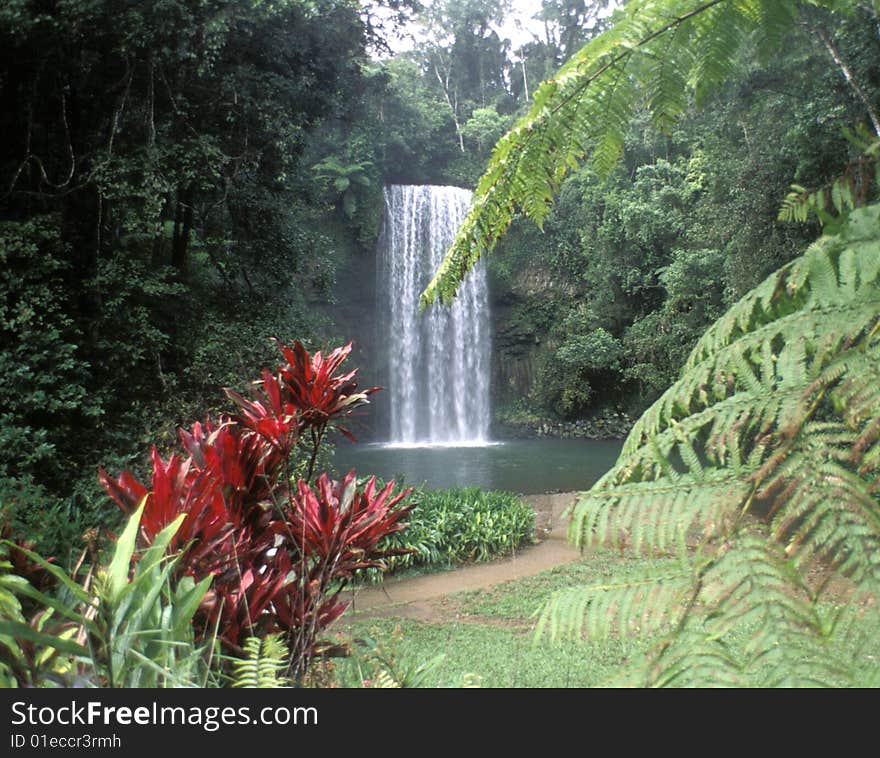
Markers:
<point>524,466</point>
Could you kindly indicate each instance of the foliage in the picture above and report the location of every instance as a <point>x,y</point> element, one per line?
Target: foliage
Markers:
<point>459,525</point>
<point>585,358</point>
<point>265,660</point>
<point>658,344</point>
<point>279,555</point>
<point>153,185</point>
<point>373,665</point>
<point>23,659</point>
<point>345,179</point>
<point>415,135</point>
<point>125,624</point>
<point>631,271</point>
<point>832,203</point>
<point>489,653</point>
<point>484,128</point>
<point>654,56</point>
<point>773,423</point>
<point>44,376</point>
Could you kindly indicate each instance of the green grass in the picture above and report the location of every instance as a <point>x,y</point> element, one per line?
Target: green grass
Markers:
<point>486,637</point>
<point>492,657</point>
<point>520,599</point>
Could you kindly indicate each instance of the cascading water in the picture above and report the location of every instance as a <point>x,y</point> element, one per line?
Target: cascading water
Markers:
<point>438,380</point>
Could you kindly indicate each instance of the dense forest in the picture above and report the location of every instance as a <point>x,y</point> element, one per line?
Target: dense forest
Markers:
<point>677,206</point>
<point>183,180</point>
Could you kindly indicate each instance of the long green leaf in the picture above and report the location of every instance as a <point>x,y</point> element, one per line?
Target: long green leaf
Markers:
<point>120,564</point>
<point>18,630</point>
<point>56,571</point>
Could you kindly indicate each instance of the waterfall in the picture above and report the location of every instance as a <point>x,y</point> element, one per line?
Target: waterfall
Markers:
<point>438,360</point>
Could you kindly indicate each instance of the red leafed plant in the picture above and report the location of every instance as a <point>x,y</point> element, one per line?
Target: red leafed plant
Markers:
<point>303,395</point>
<point>336,530</point>
<point>279,555</point>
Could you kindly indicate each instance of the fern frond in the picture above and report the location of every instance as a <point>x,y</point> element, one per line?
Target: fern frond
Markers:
<point>693,659</point>
<point>657,515</point>
<point>757,624</point>
<point>838,649</point>
<point>636,605</point>
<point>263,665</point>
<point>657,54</point>
<point>774,425</point>
<point>833,201</point>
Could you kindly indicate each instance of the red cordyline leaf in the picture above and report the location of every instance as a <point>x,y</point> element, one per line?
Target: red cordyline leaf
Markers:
<point>176,488</point>
<point>343,526</point>
<point>225,487</point>
<point>244,598</point>
<point>246,466</point>
<point>271,414</point>
<point>313,386</point>
<point>126,491</point>
<point>309,609</point>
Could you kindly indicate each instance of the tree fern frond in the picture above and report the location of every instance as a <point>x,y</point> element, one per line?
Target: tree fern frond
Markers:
<point>636,605</point>
<point>832,202</point>
<point>827,512</point>
<point>694,659</point>
<point>720,31</point>
<point>774,25</point>
<point>666,79</point>
<point>263,665</point>
<point>774,425</point>
<point>751,582</point>
<point>840,648</point>
<point>658,515</point>
<point>853,623</point>
<point>656,53</point>
<point>756,624</point>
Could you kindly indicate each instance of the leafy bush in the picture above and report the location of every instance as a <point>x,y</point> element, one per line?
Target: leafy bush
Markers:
<point>125,623</point>
<point>279,554</point>
<point>567,379</point>
<point>458,525</point>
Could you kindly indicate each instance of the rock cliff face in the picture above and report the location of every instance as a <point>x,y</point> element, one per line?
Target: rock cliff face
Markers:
<point>609,425</point>
<point>523,311</point>
<point>514,350</point>
<point>523,308</point>
<point>351,315</point>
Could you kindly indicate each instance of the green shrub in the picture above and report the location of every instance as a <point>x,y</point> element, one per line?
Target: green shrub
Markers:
<point>459,525</point>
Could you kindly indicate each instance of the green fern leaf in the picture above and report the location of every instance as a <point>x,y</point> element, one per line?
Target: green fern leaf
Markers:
<point>762,456</point>
<point>264,663</point>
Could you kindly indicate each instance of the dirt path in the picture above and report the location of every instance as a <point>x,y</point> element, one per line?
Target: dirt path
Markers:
<point>421,596</point>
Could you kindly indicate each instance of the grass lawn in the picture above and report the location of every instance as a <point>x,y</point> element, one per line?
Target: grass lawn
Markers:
<point>486,637</point>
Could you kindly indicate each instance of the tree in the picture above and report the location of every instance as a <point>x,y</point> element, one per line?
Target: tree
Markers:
<point>153,166</point>
<point>568,24</point>
<point>655,56</point>
<point>465,55</point>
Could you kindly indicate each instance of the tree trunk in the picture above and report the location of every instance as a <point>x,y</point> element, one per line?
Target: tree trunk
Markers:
<point>183,219</point>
